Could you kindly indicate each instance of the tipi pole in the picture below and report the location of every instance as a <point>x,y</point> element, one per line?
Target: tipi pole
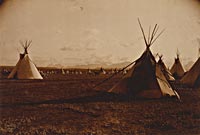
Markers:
<point>198,48</point>
<point>158,36</point>
<point>143,32</point>
<point>114,74</point>
<point>155,29</point>
<point>149,34</point>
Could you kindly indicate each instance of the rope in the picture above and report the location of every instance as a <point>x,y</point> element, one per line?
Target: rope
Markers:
<point>114,74</point>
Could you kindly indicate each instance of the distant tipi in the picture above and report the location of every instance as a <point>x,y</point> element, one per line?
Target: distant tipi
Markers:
<point>177,68</point>
<point>145,79</point>
<point>25,68</point>
<point>102,71</point>
<point>192,77</point>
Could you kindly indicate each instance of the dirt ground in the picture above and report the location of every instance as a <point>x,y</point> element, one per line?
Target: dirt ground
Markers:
<point>57,106</point>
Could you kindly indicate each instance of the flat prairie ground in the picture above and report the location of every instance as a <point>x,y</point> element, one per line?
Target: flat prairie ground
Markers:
<point>68,105</point>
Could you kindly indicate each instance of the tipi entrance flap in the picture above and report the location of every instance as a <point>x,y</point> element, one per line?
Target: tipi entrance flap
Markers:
<point>163,83</point>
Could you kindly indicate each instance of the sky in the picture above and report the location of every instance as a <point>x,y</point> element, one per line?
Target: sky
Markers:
<point>84,32</point>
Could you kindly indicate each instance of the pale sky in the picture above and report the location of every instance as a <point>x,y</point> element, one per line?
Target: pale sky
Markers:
<point>81,32</point>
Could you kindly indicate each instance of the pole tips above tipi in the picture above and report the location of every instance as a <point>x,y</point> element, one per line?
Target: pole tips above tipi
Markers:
<point>26,44</point>
<point>160,56</point>
<point>177,53</point>
<point>151,35</point>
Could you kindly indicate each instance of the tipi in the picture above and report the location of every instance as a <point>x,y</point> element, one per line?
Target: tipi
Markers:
<point>25,68</point>
<point>177,68</point>
<point>102,71</point>
<point>164,69</point>
<point>145,79</point>
<point>192,77</point>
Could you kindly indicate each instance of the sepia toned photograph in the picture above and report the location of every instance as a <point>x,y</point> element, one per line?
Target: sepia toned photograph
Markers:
<point>99,67</point>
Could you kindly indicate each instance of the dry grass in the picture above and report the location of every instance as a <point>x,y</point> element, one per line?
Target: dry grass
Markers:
<point>43,107</point>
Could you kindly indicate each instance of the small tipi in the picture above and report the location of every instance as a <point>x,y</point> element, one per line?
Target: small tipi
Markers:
<point>145,79</point>
<point>164,69</point>
<point>177,68</point>
<point>192,77</point>
<point>102,71</point>
<point>25,68</point>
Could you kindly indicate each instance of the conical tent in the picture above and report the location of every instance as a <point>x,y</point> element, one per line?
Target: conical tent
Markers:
<point>164,69</point>
<point>145,78</point>
<point>177,68</point>
<point>192,77</point>
<point>25,68</point>
<point>102,71</point>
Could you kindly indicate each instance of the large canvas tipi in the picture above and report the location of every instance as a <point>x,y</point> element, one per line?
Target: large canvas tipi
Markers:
<point>177,68</point>
<point>145,79</point>
<point>25,68</point>
<point>192,77</point>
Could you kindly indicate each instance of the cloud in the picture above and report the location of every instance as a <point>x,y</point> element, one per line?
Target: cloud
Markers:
<point>92,31</point>
<point>92,40</point>
<point>96,59</point>
<point>132,43</point>
<point>78,48</point>
<point>124,45</point>
<point>64,48</point>
<point>69,48</point>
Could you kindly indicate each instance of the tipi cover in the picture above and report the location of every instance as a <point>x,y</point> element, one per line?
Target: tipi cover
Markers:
<point>25,68</point>
<point>177,68</point>
<point>164,69</point>
<point>192,77</point>
<point>145,78</point>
